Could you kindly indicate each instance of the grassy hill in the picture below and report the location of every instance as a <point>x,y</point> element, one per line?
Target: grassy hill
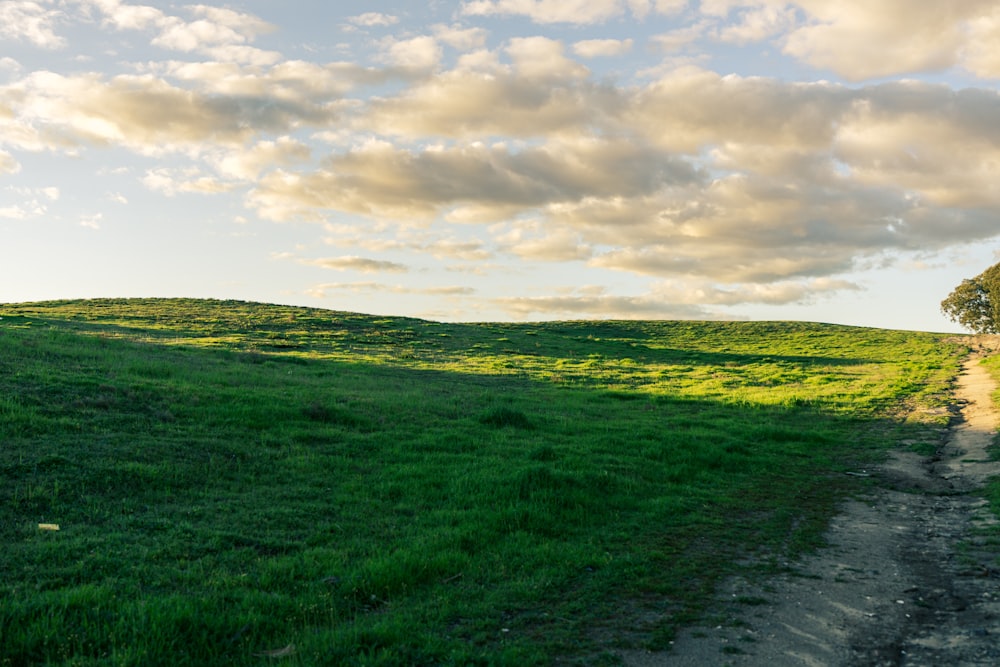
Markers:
<point>233,479</point>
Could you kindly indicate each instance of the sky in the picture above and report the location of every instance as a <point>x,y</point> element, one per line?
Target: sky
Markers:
<point>493,160</point>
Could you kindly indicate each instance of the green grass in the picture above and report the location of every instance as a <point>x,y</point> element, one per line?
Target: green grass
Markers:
<point>992,489</point>
<point>233,478</point>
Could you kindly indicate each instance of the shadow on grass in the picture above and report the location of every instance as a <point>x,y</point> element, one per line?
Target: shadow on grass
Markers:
<point>216,503</point>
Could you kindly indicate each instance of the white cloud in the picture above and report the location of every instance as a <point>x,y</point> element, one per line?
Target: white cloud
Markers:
<point>221,33</point>
<point>680,38</point>
<point>600,307</point>
<point>247,163</point>
<point>92,221</point>
<point>594,48</point>
<point>641,8</point>
<point>372,19</point>
<point>355,263</point>
<point>779,293</point>
<point>543,58</point>
<point>862,39</point>
<point>8,165</point>
<point>323,290</point>
<point>547,11</point>
<point>981,52</point>
<point>129,17</point>
<point>13,212</point>
<point>30,202</point>
<point>171,182</point>
<point>463,39</point>
<point>418,53</point>
<point>9,64</point>
<point>534,241</point>
<point>759,23</point>
<point>24,20</point>
<point>150,115</point>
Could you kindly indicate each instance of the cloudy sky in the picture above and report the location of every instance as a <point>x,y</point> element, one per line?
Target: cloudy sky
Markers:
<point>477,160</point>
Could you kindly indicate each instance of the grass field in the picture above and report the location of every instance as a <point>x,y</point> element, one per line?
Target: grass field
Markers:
<point>245,484</point>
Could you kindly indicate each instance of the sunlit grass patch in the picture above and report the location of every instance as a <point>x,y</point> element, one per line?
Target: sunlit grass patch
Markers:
<point>233,479</point>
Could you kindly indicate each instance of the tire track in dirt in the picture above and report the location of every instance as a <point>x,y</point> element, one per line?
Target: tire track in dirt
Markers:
<point>905,579</point>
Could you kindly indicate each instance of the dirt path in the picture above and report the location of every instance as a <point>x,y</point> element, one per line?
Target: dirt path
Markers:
<point>905,580</point>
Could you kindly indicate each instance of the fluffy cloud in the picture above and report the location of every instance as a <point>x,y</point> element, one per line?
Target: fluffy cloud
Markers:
<point>668,300</point>
<point>171,182</point>
<point>145,112</point>
<point>981,53</point>
<point>463,39</point>
<point>32,202</point>
<point>372,19</point>
<point>34,22</point>
<point>354,263</point>
<point>862,39</point>
<point>222,33</point>
<point>781,293</point>
<point>604,306</point>
<point>381,180</point>
<point>579,12</point>
<point>487,99</point>
<point>595,48</point>
<point>547,11</point>
<point>718,189</point>
<point>8,165</point>
<point>758,23</point>
<point>742,179</point>
<point>323,290</point>
<point>418,53</point>
<point>246,164</point>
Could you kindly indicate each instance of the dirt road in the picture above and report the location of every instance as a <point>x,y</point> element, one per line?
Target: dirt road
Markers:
<point>906,580</point>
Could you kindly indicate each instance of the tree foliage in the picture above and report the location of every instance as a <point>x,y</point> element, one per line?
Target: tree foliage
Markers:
<point>975,303</point>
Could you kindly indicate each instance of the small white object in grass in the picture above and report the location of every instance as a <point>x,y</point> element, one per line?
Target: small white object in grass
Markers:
<point>48,526</point>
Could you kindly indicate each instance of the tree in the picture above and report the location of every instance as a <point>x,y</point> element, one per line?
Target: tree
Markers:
<point>975,304</point>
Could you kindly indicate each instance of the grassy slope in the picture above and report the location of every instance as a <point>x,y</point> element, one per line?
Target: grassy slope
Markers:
<point>232,478</point>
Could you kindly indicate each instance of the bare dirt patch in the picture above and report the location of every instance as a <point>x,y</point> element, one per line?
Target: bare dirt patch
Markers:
<point>906,578</point>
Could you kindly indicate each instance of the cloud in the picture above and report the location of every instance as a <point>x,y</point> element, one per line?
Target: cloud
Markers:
<point>171,182</point>
<point>543,58</point>
<point>680,38</point>
<point>860,39</point>
<point>380,180</point>
<point>641,8</point>
<point>8,165</point>
<point>23,20</point>
<point>354,263</point>
<point>129,17</point>
<point>148,114</point>
<point>30,202</point>
<point>463,39</point>
<point>758,23</point>
<point>981,52</point>
<point>418,53</point>
<point>602,306</point>
<point>373,19</point>
<point>247,163</point>
<point>534,241</point>
<point>219,32</point>
<point>323,290</point>
<point>484,100</point>
<point>577,12</point>
<point>781,293</point>
<point>547,11</point>
<point>92,221</point>
<point>596,48</point>
<point>692,175</point>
